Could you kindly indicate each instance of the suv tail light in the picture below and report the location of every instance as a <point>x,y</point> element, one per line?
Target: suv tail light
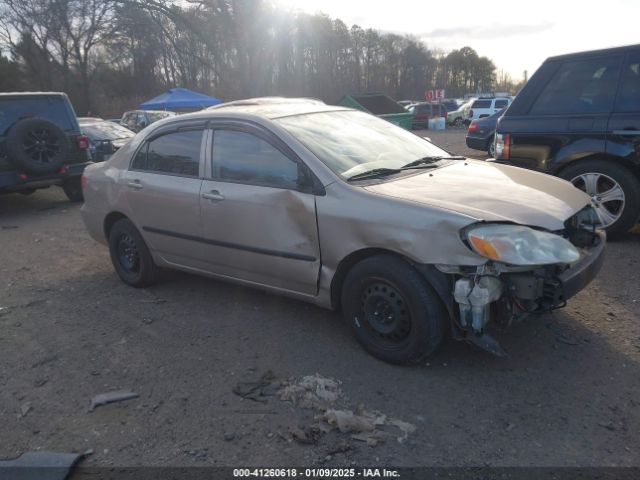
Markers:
<point>82,141</point>
<point>473,126</point>
<point>503,147</point>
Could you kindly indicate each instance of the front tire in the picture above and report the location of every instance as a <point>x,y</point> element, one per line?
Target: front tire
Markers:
<point>392,310</point>
<point>130,256</point>
<point>614,190</point>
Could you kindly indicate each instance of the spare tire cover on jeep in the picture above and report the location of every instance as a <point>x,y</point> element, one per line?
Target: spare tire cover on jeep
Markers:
<point>37,146</point>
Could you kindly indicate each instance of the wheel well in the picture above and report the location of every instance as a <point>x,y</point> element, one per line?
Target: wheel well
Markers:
<point>603,156</point>
<point>112,218</point>
<point>347,264</point>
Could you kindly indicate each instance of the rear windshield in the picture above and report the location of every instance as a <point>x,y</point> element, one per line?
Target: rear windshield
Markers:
<point>106,131</point>
<point>53,109</point>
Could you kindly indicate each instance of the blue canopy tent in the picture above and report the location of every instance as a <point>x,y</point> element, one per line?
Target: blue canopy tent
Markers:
<point>179,99</point>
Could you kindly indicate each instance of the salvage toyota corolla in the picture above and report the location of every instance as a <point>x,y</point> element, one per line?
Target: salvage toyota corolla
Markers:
<point>348,211</point>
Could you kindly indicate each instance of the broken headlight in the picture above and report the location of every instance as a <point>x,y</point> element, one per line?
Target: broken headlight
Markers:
<point>519,245</point>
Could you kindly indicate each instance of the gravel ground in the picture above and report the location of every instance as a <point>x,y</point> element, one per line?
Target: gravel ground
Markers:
<point>569,395</point>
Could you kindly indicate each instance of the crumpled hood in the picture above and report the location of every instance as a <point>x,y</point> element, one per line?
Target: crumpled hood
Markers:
<point>491,192</point>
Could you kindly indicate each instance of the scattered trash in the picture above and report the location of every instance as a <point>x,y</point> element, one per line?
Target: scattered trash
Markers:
<point>258,389</point>
<point>25,408</point>
<point>4,311</point>
<point>228,436</point>
<point>321,394</point>
<point>312,391</point>
<point>111,397</point>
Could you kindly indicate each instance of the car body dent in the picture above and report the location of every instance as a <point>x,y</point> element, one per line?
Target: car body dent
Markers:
<point>491,192</point>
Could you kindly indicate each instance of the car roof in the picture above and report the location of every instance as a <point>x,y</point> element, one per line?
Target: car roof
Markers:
<point>268,107</point>
<point>605,51</point>
<point>32,94</point>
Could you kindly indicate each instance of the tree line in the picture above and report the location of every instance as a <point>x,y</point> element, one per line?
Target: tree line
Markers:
<point>109,55</point>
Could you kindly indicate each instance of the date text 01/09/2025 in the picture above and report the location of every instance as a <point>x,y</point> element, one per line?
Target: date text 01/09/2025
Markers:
<point>315,473</point>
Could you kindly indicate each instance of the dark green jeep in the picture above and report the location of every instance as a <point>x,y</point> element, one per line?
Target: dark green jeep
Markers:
<point>40,144</point>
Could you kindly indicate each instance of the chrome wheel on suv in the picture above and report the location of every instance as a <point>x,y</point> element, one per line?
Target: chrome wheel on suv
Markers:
<point>607,196</point>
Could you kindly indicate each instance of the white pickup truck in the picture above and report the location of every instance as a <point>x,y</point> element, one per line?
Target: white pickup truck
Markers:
<point>485,107</point>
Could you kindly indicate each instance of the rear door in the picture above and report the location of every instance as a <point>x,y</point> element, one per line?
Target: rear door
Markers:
<point>258,212</point>
<point>162,188</point>
<point>624,124</point>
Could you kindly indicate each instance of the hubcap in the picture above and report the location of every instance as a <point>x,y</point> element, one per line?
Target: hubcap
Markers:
<point>128,253</point>
<point>607,196</point>
<point>385,313</point>
<point>41,145</point>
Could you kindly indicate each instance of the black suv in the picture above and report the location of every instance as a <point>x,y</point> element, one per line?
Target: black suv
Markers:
<point>40,144</point>
<point>578,117</point>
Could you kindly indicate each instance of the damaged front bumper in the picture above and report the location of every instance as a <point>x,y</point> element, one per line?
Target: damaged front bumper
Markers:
<point>501,294</point>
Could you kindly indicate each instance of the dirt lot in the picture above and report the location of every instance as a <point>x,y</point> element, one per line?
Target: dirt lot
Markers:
<point>569,395</point>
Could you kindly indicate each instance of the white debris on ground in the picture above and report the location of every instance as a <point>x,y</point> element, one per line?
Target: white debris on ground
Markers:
<point>322,393</point>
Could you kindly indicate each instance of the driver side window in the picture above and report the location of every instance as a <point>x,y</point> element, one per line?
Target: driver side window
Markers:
<point>241,157</point>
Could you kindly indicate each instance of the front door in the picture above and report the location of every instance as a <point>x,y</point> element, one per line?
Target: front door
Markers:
<point>258,217</point>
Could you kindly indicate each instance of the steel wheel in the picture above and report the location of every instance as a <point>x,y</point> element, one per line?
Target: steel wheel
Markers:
<point>385,314</point>
<point>128,255</point>
<point>607,196</point>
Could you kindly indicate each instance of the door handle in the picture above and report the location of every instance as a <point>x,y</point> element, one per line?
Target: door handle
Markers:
<point>213,195</point>
<point>135,185</point>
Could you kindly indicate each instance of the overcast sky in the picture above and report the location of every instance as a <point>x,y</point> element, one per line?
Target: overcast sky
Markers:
<point>516,35</point>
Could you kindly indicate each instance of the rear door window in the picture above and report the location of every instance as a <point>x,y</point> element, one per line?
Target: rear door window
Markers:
<point>175,153</point>
<point>481,104</point>
<point>501,103</point>
<point>53,109</point>
<point>581,86</point>
<point>629,96</point>
<point>242,157</point>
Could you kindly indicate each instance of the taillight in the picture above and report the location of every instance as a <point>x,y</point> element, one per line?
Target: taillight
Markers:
<point>473,126</point>
<point>23,177</point>
<point>83,182</point>
<point>503,146</point>
<point>82,141</point>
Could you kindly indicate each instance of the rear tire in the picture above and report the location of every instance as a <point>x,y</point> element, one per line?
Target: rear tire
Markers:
<point>130,256</point>
<point>602,179</point>
<point>392,310</point>
<point>491,148</point>
<point>73,189</point>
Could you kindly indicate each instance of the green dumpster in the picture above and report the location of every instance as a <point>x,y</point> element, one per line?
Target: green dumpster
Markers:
<point>380,105</point>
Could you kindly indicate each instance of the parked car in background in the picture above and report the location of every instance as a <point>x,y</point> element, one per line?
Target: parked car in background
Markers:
<point>460,116</point>
<point>406,103</point>
<point>485,107</point>
<point>40,144</point>
<point>105,138</point>
<point>415,243</point>
<point>481,132</point>
<point>578,117</point>
<point>424,111</point>
<point>450,105</point>
<point>136,120</point>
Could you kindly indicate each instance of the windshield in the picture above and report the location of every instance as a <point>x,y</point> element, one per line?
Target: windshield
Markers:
<point>352,142</point>
<point>106,131</point>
